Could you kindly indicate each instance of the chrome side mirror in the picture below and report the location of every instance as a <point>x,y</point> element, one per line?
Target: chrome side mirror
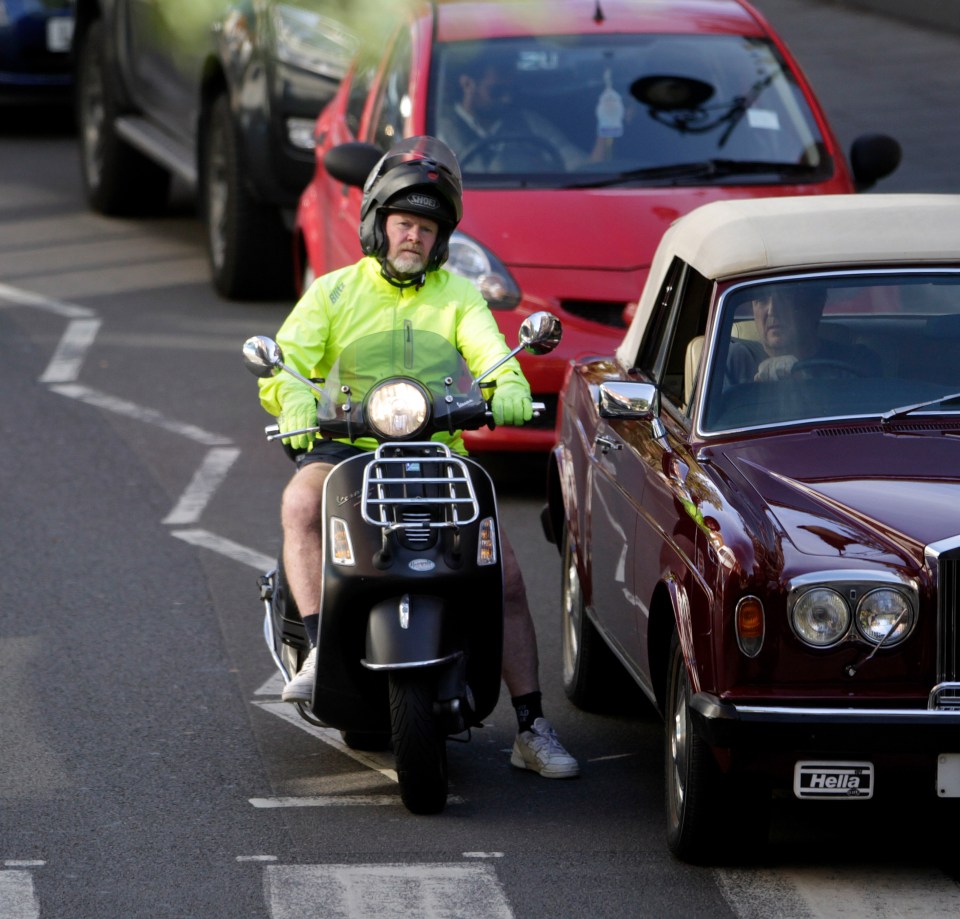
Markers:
<point>540,333</point>
<point>262,356</point>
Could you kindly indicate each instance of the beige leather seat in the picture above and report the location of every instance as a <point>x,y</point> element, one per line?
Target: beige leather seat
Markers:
<point>744,328</point>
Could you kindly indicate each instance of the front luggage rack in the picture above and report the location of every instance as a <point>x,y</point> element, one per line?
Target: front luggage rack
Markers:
<point>417,476</point>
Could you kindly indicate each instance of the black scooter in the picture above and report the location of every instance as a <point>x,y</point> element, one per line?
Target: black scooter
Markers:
<point>411,624</point>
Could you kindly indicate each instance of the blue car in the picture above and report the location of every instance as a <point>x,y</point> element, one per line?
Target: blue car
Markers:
<point>35,43</point>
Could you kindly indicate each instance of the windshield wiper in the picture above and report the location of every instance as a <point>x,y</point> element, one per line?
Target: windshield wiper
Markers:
<point>703,169</point>
<point>905,410</point>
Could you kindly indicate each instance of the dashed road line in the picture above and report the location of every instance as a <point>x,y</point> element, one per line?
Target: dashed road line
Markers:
<point>139,413</point>
<point>18,899</point>
<point>65,365</point>
<point>243,554</point>
<point>206,480</point>
<point>429,891</point>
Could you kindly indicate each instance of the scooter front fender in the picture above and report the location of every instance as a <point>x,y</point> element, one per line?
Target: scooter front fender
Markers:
<point>406,632</point>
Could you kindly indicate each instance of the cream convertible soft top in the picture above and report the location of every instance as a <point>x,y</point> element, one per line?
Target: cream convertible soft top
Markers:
<point>727,238</point>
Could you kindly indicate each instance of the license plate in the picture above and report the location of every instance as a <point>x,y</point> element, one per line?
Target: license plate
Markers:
<point>833,781</point>
<point>59,33</point>
<point>948,775</point>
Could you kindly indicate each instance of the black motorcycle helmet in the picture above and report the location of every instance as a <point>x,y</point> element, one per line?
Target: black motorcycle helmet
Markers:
<point>420,175</point>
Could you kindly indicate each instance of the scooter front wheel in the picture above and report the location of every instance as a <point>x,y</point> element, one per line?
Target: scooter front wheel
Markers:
<point>419,746</point>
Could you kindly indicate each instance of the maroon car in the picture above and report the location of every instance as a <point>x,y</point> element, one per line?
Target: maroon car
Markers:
<point>757,498</point>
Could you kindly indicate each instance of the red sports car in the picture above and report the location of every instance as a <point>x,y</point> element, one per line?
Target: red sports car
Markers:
<point>584,128</point>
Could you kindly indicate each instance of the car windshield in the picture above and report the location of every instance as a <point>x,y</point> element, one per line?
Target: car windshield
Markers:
<point>804,349</point>
<point>642,109</point>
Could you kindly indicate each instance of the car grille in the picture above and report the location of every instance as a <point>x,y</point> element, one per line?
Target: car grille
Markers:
<point>948,628</point>
<point>944,561</point>
<point>602,311</point>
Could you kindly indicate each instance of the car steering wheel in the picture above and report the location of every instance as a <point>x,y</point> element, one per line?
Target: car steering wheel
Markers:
<point>839,367</point>
<point>546,149</point>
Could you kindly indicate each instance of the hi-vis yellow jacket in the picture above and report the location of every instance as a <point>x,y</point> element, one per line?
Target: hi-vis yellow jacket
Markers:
<point>355,301</point>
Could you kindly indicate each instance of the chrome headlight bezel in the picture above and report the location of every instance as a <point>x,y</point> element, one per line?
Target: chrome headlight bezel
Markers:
<point>900,617</point>
<point>859,592</point>
<point>820,617</point>
<point>398,409</point>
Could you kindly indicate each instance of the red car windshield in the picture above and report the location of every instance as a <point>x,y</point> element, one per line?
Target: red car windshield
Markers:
<point>601,110</point>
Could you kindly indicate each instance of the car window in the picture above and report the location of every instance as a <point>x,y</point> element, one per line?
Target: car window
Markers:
<point>587,108</point>
<point>670,352</point>
<point>392,104</point>
<point>360,80</point>
<point>833,346</point>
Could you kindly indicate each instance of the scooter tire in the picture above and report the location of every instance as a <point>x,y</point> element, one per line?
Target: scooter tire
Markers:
<point>418,744</point>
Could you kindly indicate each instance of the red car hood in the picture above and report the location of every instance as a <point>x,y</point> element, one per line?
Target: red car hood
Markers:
<point>599,229</point>
<point>857,495</point>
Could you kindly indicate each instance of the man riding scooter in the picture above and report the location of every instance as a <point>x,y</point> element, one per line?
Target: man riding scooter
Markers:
<point>412,202</point>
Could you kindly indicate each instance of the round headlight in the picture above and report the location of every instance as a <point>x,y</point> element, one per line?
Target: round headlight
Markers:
<point>885,615</point>
<point>398,409</point>
<point>821,617</point>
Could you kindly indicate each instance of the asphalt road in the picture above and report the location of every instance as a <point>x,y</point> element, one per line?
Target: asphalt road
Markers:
<point>141,752</point>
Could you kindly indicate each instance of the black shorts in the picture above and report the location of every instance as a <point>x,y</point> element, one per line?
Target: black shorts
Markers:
<point>328,451</point>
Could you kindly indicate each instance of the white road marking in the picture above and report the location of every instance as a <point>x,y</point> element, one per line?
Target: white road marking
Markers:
<point>139,413</point>
<point>207,540</point>
<point>257,858</point>
<point>206,480</point>
<point>65,365</point>
<point>329,801</point>
<point>20,297</point>
<point>865,893</point>
<point>18,900</point>
<point>380,762</point>
<point>439,891</point>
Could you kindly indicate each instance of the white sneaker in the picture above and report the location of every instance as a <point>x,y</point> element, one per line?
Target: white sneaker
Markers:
<point>539,750</point>
<point>300,688</point>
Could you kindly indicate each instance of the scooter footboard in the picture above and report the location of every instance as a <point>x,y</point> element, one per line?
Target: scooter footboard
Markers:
<point>408,631</point>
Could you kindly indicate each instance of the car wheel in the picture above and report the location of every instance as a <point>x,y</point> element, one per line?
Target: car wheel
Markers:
<point>692,776</point>
<point>593,678</point>
<point>118,179</point>
<point>710,818</point>
<point>249,249</point>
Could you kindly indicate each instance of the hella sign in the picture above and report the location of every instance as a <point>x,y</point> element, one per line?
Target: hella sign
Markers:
<point>833,781</point>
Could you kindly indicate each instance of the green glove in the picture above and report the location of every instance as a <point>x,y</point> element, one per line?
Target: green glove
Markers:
<point>299,411</point>
<point>511,402</point>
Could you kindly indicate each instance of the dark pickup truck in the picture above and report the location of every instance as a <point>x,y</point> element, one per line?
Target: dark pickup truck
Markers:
<point>222,94</point>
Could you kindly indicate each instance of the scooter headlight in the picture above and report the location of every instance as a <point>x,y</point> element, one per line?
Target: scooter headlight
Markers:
<point>398,409</point>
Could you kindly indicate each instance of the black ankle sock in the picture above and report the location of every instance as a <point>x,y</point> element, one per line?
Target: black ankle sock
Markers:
<point>312,624</point>
<point>528,710</point>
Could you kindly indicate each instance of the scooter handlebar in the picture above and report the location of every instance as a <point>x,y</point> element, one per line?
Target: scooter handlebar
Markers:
<point>273,431</point>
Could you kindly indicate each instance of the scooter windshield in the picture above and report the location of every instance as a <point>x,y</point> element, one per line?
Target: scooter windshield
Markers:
<point>426,357</point>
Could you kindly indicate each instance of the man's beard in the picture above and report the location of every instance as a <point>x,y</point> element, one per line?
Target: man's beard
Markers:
<point>407,264</point>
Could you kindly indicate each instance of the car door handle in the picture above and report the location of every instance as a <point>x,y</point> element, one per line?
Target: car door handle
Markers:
<point>606,444</point>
